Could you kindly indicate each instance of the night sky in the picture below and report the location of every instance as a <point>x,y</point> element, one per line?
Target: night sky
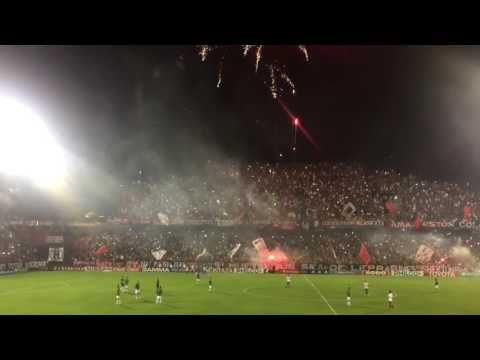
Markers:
<point>121,109</point>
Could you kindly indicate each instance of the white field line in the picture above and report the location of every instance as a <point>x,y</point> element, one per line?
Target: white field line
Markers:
<point>319,293</point>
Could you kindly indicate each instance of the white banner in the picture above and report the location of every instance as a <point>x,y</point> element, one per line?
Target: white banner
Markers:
<point>55,254</point>
<point>159,254</point>
<point>53,239</point>
<point>234,250</point>
<point>163,218</point>
<point>203,253</point>
<point>348,210</point>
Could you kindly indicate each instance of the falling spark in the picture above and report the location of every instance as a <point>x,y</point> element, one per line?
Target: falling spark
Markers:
<point>303,49</point>
<point>279,79</point>
<point>289,82</point>
<point>220,71</point>
<point>246,49</point>
<point>273,86</point>
<point>204,50</point>
<point>259,56</point>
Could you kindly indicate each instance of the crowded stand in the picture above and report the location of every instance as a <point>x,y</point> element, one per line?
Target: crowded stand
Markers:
<point>309,213</point>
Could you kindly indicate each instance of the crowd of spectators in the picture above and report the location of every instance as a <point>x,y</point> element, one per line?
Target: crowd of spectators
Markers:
<point>266,194</point>
<point>333,246</point>
<point>314,192</point>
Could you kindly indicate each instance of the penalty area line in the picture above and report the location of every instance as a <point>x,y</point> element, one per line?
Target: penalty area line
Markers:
<point>319,293</point>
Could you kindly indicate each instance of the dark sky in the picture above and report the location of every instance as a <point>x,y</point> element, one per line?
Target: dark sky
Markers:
<point>409,107</point>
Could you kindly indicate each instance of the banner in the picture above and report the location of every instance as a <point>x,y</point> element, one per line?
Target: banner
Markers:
<point>53,239</point>
<point>228,222</point>
<point>163,218</point>
<point>158,254</point>
<point>259,245</point>
<point>348,210</point>
<point>203,253</point>
<point>339,223</point>
<point>424,254</point>
<point>364,254</point>
<point>234,250</point>
<point>426,224</point>
<point>391,207</point>
<point>408,273</point>
<point>101,250</point>
<point>36,265</point>
<point>55,254</point>
<point>418,222</point>
<point>319,268</point>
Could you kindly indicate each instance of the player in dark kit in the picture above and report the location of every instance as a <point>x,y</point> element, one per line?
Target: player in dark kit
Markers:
<point>137,290</point>
<point>437,285</point>
<point>158,283</point>
<point>198,277</point>
<point>159,294</point>
<point>210,284</point>
<point>349,296</point>
<point>122,284</point>
<point>118,301</point>
<point>126,282</point>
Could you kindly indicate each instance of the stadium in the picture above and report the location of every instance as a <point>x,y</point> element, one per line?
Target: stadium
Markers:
<point>290,234</point>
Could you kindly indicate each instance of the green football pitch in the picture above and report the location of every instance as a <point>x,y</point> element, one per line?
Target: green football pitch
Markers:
<point>235,294</point>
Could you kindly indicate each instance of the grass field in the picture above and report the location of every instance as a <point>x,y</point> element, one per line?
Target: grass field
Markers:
<point>94,293</point>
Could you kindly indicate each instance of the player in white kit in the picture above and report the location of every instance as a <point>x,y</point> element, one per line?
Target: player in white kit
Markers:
<point>365,287</point>
<point>289,280</point>
<point>390,299</point>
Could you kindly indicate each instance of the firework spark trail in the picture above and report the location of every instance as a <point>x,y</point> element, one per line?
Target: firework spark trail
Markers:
<point>278,76</point>
<point>289,82</point>
<point>273,86</point>
<point>203,52</point>
<point>246,49</point>
<point>220,71</point>
<point>259,56</point>
<point>303,49</point>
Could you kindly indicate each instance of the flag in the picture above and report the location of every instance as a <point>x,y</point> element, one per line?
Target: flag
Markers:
<point>234,250</point>
<point>55,254</point>
<point>164,220</point>
<point>348,210</point>
<point>424,254</point>
<point>391,206</point>
<point>101,250</point>
<point>364,254</point>
<point>158,254</point>
<point>334,254</point>
<point>203,253</point>
<point>467,213</point>
<point>418,222</point>
<point>259,244</point>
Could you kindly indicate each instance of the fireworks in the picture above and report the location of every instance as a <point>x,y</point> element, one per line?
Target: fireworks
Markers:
<point>246,48</point>
<point>277,75</point>
<point>303,49</point>
<point>204,50</point>
<point>288,81</point>
<point>220,70</point>
<point>259,57</point>
<point>273,86</point>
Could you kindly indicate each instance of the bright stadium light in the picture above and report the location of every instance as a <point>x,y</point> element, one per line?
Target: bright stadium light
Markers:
<point>27,149</point>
